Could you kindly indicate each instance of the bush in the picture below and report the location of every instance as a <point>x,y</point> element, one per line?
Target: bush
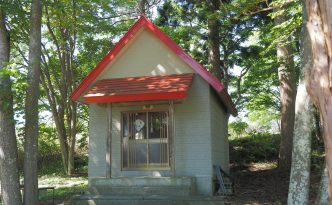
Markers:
<point>255,147</point>
<point>238,128</point>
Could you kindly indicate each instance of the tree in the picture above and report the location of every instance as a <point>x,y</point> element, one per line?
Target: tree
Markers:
<point>59,83</point>
<point>322,196</point>
<point>301,155</point>
<point>214,39</point>
<point>300,171</point>
<point>31,107</point>
<point>78,34</point>
<point>287,87</point>
<point>8,158</point>
<point>318,77</point>
<point>142,6</point>
<point>304,120</point>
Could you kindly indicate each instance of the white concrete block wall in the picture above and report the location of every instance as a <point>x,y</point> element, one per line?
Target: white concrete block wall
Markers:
<point>219,133</point>
<point>192,137</point>
<point>97,141</point>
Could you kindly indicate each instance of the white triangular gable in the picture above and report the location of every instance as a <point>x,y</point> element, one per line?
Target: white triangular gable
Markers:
<point>145,55</point>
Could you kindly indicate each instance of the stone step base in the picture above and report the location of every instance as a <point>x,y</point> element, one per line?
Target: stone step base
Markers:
<point>167,186</point>
<point>143,181</point>
<point>141,190</point>
<point>143,200</point>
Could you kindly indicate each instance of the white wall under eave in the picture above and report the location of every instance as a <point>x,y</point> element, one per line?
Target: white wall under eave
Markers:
<point>97,141</point>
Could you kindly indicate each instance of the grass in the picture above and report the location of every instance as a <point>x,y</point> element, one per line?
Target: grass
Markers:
<point>64,186</point>
<point>51,174</point>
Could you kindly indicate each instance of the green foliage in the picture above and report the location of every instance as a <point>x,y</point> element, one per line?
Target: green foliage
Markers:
<point>47,141</point>
<point>255,147</point>
<point>237,128</point>
<point>264,120</point>
<point>50,166</point>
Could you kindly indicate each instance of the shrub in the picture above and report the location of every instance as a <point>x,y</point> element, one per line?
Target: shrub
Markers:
<point>255,147</point>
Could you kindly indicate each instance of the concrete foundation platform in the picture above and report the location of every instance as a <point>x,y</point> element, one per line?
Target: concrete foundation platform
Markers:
<point>166,186</point>
<point>143,191</point>
<point>144,200</point>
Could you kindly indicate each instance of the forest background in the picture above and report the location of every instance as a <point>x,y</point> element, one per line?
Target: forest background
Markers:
<point>255,48</point>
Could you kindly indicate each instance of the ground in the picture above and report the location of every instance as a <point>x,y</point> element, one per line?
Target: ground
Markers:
<point>65,187</point>
<point>253,167</point>
<point>261,183</point>
<point>255,184</point>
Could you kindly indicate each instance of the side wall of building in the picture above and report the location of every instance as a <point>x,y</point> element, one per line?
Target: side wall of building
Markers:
<point>219,133</point>
<point>193,135</point>
<point>97,141</point>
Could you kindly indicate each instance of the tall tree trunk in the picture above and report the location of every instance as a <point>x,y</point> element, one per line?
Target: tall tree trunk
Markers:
<point>141,7</point>
<point>322,195</point>
<point>31,107</point>
<point>10,190</point>
<point>214,39</point>
<point>287,85</point>
<point>304,119</point>
<point>319,77</point>
<point>300,173</point>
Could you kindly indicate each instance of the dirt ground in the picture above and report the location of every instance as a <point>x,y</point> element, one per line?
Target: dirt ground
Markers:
<point>256,184</point>
<point>261,183</point>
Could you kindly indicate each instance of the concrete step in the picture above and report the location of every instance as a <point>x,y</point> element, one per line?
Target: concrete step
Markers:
<point>168,186</point>
<point>141,190</point>
<point>144,200</point>
<point>143,181</point>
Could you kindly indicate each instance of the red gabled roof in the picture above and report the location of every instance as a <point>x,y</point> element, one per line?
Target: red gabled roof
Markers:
<point>144,22</point>
<point>140,88</point>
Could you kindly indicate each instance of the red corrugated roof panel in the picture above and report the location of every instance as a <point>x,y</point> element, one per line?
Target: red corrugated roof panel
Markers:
<point>140,88</point>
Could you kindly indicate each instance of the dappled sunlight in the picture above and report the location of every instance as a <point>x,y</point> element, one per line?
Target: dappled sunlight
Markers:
<point>58,181</point>
<point>156,174</point>
<point>160,70</point>
<point>2,154</point>
<point>253,167</point>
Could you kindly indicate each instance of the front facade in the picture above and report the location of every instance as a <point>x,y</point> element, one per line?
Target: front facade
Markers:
<point>154,112</point>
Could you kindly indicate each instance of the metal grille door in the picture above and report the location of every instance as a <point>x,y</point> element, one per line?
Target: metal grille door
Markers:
<point>145,143</point>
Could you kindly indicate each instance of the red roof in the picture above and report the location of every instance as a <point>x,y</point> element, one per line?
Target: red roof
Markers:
<point>143,22</point>
<point>140,88</point>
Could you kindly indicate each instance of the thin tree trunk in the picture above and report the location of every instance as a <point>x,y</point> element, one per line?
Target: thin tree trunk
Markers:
<point>319,77</point>
<point>322,195</point>
<point>71,164</point>
<point>63,110</point>
<point>214,40</point>
<point>287,85</point>
<point>10,190</point>
<point>300,173</point>
<point>31,107</point>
